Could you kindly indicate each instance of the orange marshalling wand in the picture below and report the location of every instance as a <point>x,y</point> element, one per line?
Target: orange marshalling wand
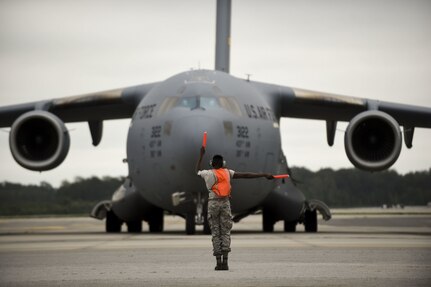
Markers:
<point>281,176</point>
<point>204,140</point>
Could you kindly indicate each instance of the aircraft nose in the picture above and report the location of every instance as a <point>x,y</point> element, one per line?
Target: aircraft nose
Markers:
<point>188,137</point>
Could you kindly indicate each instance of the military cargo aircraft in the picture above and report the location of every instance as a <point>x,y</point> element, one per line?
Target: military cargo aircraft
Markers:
<point>241,118</point>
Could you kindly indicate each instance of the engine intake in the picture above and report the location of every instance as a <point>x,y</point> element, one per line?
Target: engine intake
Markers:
<point>373,141</point>
<point>39,141</point>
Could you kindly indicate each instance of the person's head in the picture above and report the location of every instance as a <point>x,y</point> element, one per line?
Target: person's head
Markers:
<point>217,161</point>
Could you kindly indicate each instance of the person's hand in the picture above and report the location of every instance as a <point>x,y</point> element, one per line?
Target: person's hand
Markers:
<point>202,151</point>
<point>269,176</point>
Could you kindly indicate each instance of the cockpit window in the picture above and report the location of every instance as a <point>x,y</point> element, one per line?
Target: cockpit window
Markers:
<point>200,102</point>
<point>167,105</point>
<point>188,102</point>
<point>231,105</point>
<point>209,102</point>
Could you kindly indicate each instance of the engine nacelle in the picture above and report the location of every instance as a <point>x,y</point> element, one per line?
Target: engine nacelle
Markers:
<point>39,141</point>
<point>373,141</point>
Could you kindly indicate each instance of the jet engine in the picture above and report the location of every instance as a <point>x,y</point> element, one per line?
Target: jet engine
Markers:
<point>39,141</point>
<point>373,141</point>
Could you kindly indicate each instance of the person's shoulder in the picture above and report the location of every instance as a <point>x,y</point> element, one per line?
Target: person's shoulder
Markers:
<point>203,172</point>
<point>231,172</point>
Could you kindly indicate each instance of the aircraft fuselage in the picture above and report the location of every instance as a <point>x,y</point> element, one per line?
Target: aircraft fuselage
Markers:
<point>166,133</point>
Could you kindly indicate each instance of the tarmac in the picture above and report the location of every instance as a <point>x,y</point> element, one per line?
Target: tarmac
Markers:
<point>365,247</point>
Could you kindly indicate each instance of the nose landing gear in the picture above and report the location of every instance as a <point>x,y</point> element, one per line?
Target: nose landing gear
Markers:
<point>198,214</point>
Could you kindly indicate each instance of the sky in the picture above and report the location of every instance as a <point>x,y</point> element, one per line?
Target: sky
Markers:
<point>378,49</point>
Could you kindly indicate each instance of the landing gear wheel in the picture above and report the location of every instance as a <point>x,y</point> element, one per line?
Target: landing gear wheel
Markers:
<point>289,226</point>
<point>190,224</point>
<point>310,222</point>
<point>267,221</point>
<point>112,223</point>
<point>134,226</point>
<point>155,223</point>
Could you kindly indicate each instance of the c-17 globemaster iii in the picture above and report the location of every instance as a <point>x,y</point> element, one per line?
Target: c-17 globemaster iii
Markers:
<point>241,118</point>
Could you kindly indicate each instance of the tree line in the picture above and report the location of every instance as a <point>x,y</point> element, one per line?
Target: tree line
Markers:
<point>337,188</point>
<point>77,197</point>
<point>356,188</point>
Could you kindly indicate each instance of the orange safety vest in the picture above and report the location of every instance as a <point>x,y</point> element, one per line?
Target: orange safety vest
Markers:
<point>221,186</point>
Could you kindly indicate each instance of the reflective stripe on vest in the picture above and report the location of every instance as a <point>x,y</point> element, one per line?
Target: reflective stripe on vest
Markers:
<point>221,186</point>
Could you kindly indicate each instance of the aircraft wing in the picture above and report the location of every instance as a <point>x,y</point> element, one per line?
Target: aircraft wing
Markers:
<point>300,103</point>
<point>112,104</point>
<point>39,139</point>
<point>373,138</point>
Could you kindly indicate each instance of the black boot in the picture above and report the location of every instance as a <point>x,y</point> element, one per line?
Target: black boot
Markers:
<point>219,263</point>
<point>224,265</point>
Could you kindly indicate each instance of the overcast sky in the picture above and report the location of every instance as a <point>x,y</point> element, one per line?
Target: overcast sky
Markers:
<point>379,49</point>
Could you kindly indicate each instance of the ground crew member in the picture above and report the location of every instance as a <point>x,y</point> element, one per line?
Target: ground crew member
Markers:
<point>217,181</point>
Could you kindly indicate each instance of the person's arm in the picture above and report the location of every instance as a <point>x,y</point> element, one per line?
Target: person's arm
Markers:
<point>252,175</point>
<point>201,155</point>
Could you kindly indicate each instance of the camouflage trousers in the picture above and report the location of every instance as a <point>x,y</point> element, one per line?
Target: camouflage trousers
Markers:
<point>220,222</point>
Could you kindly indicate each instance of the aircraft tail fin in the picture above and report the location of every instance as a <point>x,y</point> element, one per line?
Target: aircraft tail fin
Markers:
<point>223,20</point>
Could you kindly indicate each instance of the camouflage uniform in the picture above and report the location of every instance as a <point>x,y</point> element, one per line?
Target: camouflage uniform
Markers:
<point>220,222</point>
<point>219,215</point>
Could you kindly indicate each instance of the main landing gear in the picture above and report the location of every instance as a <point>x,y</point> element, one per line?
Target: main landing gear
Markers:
<point>155,220</point>
<point>308,217</point>
<point>268,221</point>
<point>113,224</point>
<point>134,226</point>
<point>310,221</point>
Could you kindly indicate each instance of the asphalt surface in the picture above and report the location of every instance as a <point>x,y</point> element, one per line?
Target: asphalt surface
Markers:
<point>350,250</point>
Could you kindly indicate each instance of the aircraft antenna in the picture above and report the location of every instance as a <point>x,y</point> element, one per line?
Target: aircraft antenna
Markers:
<point>222,58</point>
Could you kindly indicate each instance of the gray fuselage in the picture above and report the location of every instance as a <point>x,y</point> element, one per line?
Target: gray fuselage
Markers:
<point>166,133</point>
